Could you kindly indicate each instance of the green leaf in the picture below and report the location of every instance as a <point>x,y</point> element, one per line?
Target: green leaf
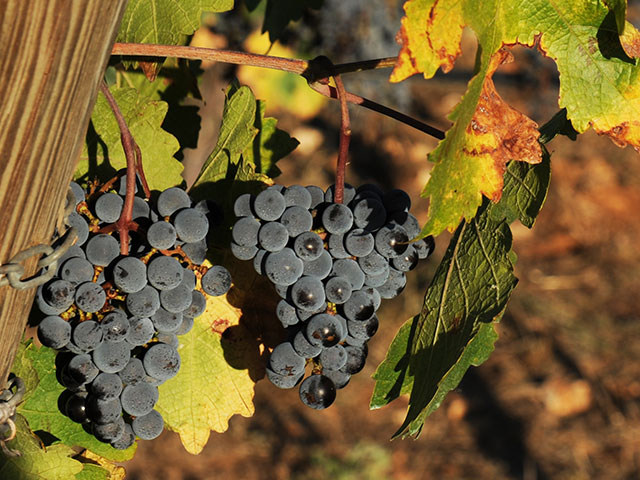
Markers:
<point>103,154</point>
<point>280,13</point>
<point>469,292</point>
<point>37,463</point>
<point>40,407</point>
<point>599,85</point>
<point>269,145</point>
<point>392,376</point>
<point>93,472</point>
<point>221,360</point>
<point>165,21</point>
<point>236,132</point>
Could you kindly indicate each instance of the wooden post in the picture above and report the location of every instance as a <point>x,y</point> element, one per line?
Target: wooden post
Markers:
<point>52,57</point>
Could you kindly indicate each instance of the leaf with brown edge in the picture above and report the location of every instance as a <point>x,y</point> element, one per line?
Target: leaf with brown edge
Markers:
<point>471,160</point>
<point>430,38</point>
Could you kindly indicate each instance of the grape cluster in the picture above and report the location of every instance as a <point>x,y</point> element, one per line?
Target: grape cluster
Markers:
<point>332,264</point>
<point>114,318</point>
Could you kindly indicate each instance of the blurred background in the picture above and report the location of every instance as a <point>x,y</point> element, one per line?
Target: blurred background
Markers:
<point>560,396</point>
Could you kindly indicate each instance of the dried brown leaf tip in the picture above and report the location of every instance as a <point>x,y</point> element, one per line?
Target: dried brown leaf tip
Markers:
<point>515,134</point>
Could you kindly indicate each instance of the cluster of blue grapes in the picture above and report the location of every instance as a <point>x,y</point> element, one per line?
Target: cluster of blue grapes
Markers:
<point>332,264</point>
<point>115,319</point>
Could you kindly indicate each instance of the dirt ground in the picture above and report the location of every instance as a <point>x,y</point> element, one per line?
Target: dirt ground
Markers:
<point>560,396</point>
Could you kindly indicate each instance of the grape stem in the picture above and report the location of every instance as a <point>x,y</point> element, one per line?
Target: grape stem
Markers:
<point>317,77</point>
<point>134,164</point>
<point>345,138</point>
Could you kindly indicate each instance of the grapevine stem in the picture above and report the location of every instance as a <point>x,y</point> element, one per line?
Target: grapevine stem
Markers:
<point>345,137</point>
<point>131,152</point>
<point>317,78</point>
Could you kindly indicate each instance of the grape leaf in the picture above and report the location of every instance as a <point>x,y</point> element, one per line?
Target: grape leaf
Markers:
<point>221,361</point>
<point>100,468</point>
<point>279,13</point>
<point>599,81</point>
<point>37,463</point>
<point>40,406</point>
<point>103,154</point>
<point>93,472</point>
<point>165,21</point>
<point>269,145</point>
<point>469,291</point>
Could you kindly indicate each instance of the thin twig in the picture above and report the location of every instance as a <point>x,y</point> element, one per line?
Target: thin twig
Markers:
<point>331,92</point>
<point>317,80</point>
<point>345,137</point>
<point>129,146</point>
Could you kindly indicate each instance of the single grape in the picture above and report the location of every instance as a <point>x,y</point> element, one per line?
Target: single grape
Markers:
<point>196,251</point>
<point>161,235</point>
<point>245,232</point>
<point>359,242</point>
<point>269,204</point>
<point>78,192</point>
<point>54,332</point>
<point>363,329</point>
<point>396,201</point>
<point>108,207</point>
<point>130,274</point>
<point>115,326</point>
<point>317,392</point>
<point>169,338</point>
<point>373,264</point>
<point>308,293</point>
<point>76,270</point>
<point>324,330</point>
<point>335,244</point>
<point>391,240</point>
<point>103,411</point>
<point>339,379</point>
<point>369,214</point>
<point>172,200</point>
<point>258,261</point>
<point>285,361</point>
<point>148,426</point>
<point>408,221</point>
<point>377,280</point>
<point>308,246</point>
<point>185,326</point>
<point>355,361</point>
<point>359,306</point>
<point>139,399</point>
<point>320,267</point>
<point>125,440</point>
<point>406,261</point>
<point>302,346</point>
<point>59,294</point>
<point>333,358</point>
<point>337,218</point>
<point>76,407</point>
<point>191,225</point>
<point>338,290</point>
<point>165,321</point>
<point>80,224</point>
<point>197,307</point>
<point>216,281</point>
<point>394,285</point>
<point>140,209</point>
<point>106,386</point>
<point>297,195</point>
<point>177,299</point>
<point>87,335</point>
<point>161,361</point>
<point>243,252</point>
<point>111,357</point>
<point>348,268</point>
<point>133,372</point>
<point>273,236</point>
<point>317,195</point>
<point>82,369</point>
<point>101,249</point>
<point>283,381</point>
<point>424,247</point>
<point>242,206</point>
<point>164,273</point>
<point>90,297</point>
<point>296,220</point>
<point>141,331</point>
<point>283,267</point>
<point>286,313</point>
<point>143,303</point>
